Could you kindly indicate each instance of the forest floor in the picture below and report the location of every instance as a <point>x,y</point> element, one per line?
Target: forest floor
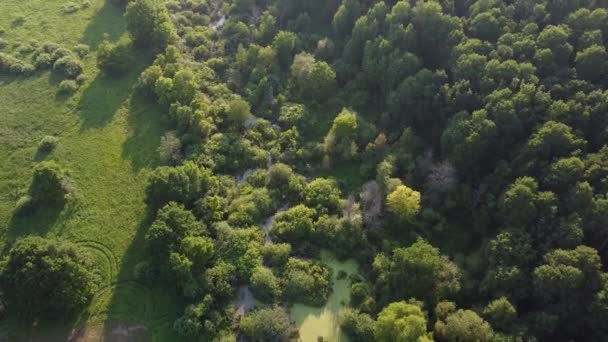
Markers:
<point>108,138</point>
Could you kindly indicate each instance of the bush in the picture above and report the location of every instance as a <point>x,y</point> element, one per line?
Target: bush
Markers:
<point>183,184</point>
<point>358,326</point>
<point>82,50</point>
<point>25,49</point>
<point>114,59</point>
<point>268,324</point>
<point>284,182</point>
<point>47,143</point>
<point>306,282</point>
<point>47,278</point>
<point>43,60</point>
<point>81,79</point>
<point>463,325</point>
<point>294,225</point>
<point>264,285</point>
<point>322,194</point>
<point>14,66</point>
<point>276,254</point>
<point>70,8</point>
<point>3,43</point>
<point>68,87</point>
<point>50,47</point>
<point>173,223</point>
<point>68,66</point>
<point>49,183</point>
<point>501,313</point>
<point>148,78</point>
<point>61,52</point>
<point>170,149</point>
<point>402,321</point>
<point>292,114</point>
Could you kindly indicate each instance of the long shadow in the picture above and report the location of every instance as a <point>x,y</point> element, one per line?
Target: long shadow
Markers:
<point>107,23</point>
<point>104,96</point>
<point>145,129</point>
<point>148,306</point>
<point>41,155</point>
<point>36,219</point>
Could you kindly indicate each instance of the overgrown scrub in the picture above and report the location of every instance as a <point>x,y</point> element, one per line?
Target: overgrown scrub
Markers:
<point>68,65</point>
<point>50,184</point>
<point>67,87</point>
<point>47,143</point>
<point>114,59</point>
<point>14,66</point>
<point>306,282</point>
<point>82,50</point>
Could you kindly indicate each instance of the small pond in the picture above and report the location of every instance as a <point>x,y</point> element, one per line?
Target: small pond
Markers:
<point>314,322</point>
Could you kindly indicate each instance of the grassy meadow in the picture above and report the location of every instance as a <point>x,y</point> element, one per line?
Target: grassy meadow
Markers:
<point>108,137</point>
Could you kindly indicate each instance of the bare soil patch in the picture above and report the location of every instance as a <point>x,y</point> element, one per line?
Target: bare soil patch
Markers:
<point>109,331</point>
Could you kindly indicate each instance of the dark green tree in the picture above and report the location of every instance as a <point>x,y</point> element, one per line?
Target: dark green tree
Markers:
<point>419,271</point>
<point>50,183</point>
<point>268,324</point>
<point>47,278</point>
<point>149,24</point>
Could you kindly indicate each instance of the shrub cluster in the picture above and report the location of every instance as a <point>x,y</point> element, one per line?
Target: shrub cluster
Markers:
<point>14,66</point>
<point>114,59</point>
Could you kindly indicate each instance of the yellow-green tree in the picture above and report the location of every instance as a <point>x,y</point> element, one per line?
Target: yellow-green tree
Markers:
<point>404,203</point>
<point>401,322</point>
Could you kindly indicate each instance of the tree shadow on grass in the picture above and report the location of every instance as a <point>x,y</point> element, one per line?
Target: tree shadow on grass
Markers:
<point>38,219</point>
<point>151,306</point>
<point>102,98</point>
<point>145,129</point>
<point>108,23</point>
<point>41,155</point>
<point>106,94</point>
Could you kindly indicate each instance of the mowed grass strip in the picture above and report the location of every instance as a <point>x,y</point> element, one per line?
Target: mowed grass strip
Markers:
<point>108,137</point>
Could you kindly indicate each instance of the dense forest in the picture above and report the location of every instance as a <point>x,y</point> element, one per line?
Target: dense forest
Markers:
<point>456,149</point>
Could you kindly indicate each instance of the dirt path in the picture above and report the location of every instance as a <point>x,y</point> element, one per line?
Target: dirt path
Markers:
<point>110,331</point>
<point>268,223</point>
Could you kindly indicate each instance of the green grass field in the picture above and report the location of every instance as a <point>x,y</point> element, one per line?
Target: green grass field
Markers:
<point>107,139</point>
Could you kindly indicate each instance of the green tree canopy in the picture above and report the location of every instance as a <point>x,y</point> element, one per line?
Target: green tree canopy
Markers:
<point>268,324</point>
<point>421,272</point>
<point>149,24</point>
<point>401,322</point>
<point>404,203</point>
<point>45,278</point>
<point>465,326</point>
<point>50,183</point>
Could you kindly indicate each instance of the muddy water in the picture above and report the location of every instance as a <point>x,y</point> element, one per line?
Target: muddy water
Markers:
<point>314,322</point>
